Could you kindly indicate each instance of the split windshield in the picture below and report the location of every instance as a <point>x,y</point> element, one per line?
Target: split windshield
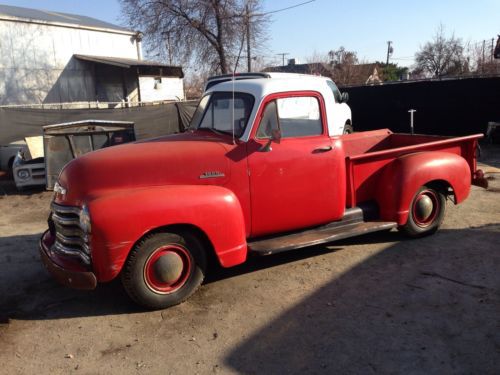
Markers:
<point>223,111</point>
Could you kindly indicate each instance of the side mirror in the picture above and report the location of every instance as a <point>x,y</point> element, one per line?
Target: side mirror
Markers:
<point>344,97</point>
<point>275,137</point>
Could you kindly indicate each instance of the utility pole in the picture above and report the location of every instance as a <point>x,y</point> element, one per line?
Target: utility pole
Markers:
<point>249,57</point>
<point>283,54</point>
<point>169,50</point>
<point>482,65</point>
<point>389,51</point>
<point>492,50</point>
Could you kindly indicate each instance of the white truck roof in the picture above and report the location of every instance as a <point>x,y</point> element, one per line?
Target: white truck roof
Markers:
<point>279,82</point>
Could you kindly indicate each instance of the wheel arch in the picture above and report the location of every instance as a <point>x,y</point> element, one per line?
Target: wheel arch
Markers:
<point>183,228</point>
<point>122,219</point>
<point>400,180</point>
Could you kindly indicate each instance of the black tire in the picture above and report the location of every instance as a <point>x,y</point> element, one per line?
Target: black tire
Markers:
<point>140,272</point>
<point>425,223</point>
<point>348,129</point>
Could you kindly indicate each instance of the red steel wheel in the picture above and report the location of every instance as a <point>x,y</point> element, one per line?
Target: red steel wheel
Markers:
<point>426,212</point>
<point>164,269</point>
<point>425,207</point>
<point>167,269</point>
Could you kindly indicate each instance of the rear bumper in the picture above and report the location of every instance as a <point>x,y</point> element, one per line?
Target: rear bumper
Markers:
<point>479,180</point>
<point>67,275</point>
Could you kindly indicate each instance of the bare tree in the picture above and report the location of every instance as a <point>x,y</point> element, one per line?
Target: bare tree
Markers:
<point>441,56</point>
<point>208,32</point>
<point>343,63</point>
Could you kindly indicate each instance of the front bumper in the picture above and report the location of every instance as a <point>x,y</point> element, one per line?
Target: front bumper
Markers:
<point>64,271</point>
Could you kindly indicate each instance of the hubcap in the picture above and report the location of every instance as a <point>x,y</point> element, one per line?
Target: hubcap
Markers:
<point>167,269</point>
<point>425,208</point>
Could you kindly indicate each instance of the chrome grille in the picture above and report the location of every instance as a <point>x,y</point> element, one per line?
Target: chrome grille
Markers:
<point>70,240</point>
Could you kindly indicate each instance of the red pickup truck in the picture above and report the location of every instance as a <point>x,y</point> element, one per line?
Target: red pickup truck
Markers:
<point>258,173</point>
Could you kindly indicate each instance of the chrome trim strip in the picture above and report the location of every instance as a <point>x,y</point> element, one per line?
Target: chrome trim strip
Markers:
<point>58,247</point>
<point>65,220</point>
<point>65,209</point>
<point>69,231</point>
<point>76,241</point>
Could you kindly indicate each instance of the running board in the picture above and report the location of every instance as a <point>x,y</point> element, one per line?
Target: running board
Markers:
<point>324,234</point>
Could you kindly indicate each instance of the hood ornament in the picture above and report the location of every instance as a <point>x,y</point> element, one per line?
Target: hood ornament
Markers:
<point>212,174</point>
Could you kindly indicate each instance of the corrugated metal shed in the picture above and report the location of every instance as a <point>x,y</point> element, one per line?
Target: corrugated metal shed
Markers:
<point>34,15</point>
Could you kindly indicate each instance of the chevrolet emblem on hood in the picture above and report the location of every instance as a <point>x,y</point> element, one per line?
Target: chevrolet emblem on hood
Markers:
<point>212,174</point>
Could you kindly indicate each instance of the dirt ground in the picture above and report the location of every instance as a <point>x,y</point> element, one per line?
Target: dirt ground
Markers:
<point>374,304</point>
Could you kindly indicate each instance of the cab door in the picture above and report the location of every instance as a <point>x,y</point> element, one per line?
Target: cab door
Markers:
<point>292,177</point>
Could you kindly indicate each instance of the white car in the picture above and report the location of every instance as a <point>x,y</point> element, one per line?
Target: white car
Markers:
<point>338,112</point>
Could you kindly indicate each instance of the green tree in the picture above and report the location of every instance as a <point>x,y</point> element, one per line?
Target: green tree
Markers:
<point>391,72</point>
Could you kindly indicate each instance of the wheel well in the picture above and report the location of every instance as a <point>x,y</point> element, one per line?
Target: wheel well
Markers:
<point>443,187</point>
<point>348,122</point>
<point>193,229</point>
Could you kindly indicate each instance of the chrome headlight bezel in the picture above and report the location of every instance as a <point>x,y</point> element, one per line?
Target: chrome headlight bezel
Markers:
<point>23,174</point>
<point>85,222</point>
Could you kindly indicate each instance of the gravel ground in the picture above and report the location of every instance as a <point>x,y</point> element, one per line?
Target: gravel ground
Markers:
<point>374,304</point>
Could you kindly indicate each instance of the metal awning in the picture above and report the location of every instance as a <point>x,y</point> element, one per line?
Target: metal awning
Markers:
<point>174,71</point>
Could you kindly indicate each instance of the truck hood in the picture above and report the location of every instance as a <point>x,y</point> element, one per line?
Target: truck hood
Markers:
<point>181,159</point>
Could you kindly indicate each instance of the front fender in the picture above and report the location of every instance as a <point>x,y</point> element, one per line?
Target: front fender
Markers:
<point>121,218</point>
<point>402,178</point>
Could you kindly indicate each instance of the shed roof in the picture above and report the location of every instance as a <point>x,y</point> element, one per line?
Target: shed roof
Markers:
<point>170,70</point>
<point>44,16</point>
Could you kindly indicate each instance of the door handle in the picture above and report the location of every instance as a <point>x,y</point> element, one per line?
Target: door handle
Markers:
<point>322,149</point>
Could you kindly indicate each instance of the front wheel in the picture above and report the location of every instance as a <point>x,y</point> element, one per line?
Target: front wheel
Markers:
<point>164,269</point>
<point>426,212</point>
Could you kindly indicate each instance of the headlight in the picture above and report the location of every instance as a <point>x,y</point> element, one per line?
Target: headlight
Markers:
<point>85,219</point>
<point>59,189</point>
<point>23,174</point>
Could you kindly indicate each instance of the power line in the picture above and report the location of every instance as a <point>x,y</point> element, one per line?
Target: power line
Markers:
<point>290,7</point>
<point>247,26</point>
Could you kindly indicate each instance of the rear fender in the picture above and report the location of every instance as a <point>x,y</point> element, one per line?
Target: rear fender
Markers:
<point>401,179</point>
<point>120,219</point>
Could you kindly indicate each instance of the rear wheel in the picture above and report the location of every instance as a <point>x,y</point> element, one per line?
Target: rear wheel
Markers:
<point>426,212</point>
<point>164,269</point>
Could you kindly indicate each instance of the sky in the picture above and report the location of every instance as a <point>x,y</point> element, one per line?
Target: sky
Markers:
<point>359,25</point>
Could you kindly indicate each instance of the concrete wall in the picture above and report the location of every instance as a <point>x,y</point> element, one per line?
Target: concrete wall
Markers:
<point>36,64</point>
<point>170,88</point>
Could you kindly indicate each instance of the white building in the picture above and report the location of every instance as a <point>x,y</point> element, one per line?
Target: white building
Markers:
<point>50,57</point>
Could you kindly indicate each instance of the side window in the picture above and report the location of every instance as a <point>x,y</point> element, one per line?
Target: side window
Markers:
<point>299,116</point>
<point>335,90</point>
<point>269,121</point>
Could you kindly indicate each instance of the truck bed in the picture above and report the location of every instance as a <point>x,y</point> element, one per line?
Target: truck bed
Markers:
<point>367,153</point>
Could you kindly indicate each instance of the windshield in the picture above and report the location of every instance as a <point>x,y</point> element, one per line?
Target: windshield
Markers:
<point>219,112</point>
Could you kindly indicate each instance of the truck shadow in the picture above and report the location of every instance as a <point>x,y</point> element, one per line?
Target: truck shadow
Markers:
<point>424,306</point>
<point>370,296</point>
<point>28,292</point>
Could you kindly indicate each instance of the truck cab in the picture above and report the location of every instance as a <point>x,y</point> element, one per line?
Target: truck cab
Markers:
<point>340,116</point>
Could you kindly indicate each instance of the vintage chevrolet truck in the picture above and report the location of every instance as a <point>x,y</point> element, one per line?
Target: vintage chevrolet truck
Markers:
<point>257,174</point>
